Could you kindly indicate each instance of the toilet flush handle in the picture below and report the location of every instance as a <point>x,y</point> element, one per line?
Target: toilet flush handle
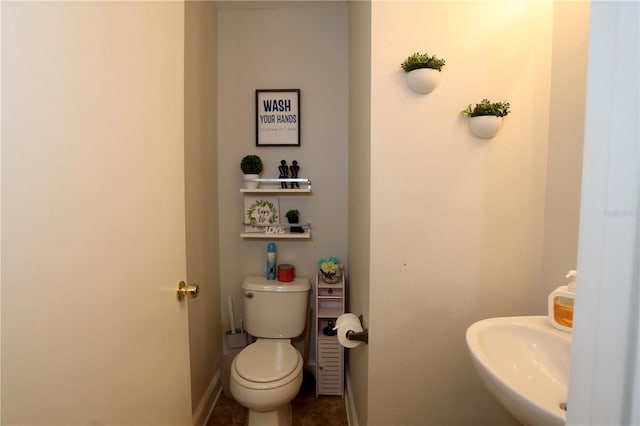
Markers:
<point>248,295</point>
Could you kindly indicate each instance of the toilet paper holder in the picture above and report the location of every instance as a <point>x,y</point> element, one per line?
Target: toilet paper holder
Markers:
<point>362,336</point>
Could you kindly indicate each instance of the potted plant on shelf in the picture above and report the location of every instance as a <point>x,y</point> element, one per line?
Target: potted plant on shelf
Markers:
<point>293,216</point>
<point>330,270</point>
<point>251,166</point>
<point>423,72</point>
<point>485,118</point>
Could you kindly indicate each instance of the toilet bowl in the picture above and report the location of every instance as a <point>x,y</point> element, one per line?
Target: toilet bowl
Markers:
<point>265,377</point>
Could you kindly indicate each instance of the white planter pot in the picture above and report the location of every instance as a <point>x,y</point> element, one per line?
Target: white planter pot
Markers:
<point>423,80</point>
<point>485,126</point>
<point>251,185</point>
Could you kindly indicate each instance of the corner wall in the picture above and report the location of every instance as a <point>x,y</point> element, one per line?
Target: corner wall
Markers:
<point>359,200</point>
<point>566,139</point>
<point>201,199</point>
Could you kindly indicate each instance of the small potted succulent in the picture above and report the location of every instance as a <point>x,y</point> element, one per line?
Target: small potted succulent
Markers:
<point>251,166</point>
<point>293,216</point>
<point>330,270</point>
<point>485,118</point>
<point>423,72</point>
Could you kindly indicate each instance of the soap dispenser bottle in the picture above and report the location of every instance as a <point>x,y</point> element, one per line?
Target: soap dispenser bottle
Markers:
<point>561,304</point>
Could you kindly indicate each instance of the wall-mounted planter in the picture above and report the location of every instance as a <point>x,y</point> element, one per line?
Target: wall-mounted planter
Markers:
<point>485,118</point>
<point>485,126</point>
<point>423,72</point>
<point>423,80</point>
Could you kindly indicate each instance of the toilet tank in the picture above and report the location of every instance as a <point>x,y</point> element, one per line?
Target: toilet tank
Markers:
<point>273,309</point>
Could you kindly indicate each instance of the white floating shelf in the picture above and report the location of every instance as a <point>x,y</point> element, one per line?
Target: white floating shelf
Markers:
<point>274,186</point>
<point>270,185</point>
<point>287,234</point>
<point>274,190</point>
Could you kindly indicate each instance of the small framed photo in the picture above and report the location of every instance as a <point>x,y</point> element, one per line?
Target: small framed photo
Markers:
<point>278,117</point>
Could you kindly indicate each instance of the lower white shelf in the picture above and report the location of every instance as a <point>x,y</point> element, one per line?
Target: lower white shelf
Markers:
<point>275,236</point>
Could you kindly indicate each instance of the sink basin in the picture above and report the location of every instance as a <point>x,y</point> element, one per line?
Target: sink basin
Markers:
<point>524,362</point>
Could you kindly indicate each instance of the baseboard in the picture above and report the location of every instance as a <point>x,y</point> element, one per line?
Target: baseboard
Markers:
<point>311,366</point>
<point>208,401</point>
<point>352,415</point>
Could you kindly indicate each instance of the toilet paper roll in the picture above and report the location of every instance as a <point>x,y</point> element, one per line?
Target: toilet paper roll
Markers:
<point>344,324</point>
<point>345,317</point>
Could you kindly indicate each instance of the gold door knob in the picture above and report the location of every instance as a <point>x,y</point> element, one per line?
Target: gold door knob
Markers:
<point>190,291</point>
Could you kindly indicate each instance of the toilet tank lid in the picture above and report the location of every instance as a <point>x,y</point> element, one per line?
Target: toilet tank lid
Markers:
<point>260,283</point>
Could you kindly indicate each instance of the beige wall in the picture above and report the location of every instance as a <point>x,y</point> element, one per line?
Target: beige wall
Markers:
<point>456,223</point>
<point>283,48</point>
<point>205,336</point>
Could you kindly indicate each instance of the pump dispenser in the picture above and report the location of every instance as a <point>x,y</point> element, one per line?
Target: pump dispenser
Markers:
<point>561,304</point>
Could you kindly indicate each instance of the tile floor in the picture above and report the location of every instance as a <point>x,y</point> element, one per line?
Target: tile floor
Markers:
<point>308,410</point>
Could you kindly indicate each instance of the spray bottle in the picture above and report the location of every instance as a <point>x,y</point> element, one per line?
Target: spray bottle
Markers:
<point>271,261</point>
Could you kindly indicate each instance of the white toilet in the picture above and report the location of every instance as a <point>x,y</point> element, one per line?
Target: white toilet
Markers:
<point>267,375</point>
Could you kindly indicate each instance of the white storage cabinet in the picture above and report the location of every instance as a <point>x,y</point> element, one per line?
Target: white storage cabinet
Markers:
<point>330,304</point>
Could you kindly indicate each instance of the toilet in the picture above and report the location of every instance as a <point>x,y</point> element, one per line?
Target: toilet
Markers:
<point>267,375</point>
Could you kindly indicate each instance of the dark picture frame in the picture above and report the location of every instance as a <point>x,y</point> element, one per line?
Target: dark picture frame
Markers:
<point>278,117</point>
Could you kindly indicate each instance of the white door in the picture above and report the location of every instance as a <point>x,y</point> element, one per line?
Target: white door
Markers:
<point>93,226</point>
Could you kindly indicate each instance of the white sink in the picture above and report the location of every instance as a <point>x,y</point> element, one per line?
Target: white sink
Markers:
<point>524,362</point>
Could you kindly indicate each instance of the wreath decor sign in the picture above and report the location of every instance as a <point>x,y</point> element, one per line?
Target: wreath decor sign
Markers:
<point>261,213</point>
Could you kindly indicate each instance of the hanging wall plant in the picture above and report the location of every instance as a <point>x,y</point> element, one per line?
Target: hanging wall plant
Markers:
<point>423,72</point>
<point>485,118</point>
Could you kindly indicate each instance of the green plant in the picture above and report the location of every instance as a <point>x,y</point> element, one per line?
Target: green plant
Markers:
<point>422,60</point>
<point>293,216</point>
<point>292,213</point>
<point>251,165</point>
<point>485,107</point>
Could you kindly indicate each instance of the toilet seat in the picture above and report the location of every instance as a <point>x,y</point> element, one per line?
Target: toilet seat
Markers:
<point>267,364</point>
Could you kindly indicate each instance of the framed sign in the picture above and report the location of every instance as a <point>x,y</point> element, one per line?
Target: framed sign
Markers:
<point>278,117</point>
<point>260,212</point>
